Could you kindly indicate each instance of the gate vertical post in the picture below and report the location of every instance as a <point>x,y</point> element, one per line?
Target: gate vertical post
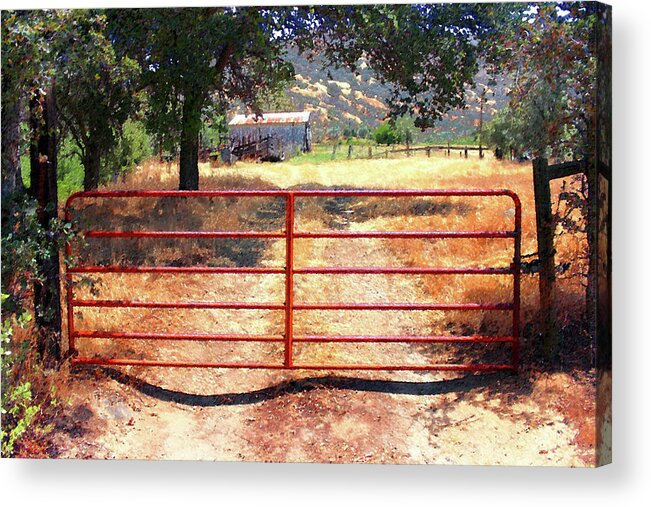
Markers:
<point>517,261</point>
<point>289,278</point>
<point>69,294</point>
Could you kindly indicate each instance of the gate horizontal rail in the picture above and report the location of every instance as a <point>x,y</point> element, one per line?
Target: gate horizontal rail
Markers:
<point>289,306</point>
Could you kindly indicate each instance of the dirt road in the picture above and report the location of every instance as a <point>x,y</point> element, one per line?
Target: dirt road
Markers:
<point>400,418</point>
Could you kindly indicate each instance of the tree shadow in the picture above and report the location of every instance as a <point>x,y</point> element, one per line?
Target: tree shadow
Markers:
<point>428,388</point>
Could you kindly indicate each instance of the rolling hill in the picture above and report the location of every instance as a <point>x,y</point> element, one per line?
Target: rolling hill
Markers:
<point>340,100</point>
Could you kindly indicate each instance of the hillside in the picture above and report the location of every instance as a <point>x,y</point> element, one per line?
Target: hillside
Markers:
<point>342,100</point>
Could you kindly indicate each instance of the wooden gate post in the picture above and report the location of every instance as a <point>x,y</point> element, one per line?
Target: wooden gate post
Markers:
<point>545,236</point>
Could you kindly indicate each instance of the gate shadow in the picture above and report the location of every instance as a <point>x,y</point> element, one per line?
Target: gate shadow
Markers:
<point>428,388</point>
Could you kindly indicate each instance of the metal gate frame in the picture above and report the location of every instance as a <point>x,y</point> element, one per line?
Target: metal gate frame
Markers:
<point>289,306</point>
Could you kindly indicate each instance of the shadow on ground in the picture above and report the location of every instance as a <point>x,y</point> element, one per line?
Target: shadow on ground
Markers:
<point>458,385</point>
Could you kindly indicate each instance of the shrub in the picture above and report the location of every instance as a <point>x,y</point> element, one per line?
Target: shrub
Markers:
<point>386,134</point>
<point>70,171</point>
<point>132,148</point>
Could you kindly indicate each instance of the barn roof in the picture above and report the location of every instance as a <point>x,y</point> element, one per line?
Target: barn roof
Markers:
<point>270,118</point>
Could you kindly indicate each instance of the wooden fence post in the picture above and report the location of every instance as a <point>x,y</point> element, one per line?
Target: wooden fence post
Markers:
<point>334,150</point>
<point>465,152</point>
<point>350,151</point>
<point>448,148</point>
<point>546,277</point>
<point>370,152</point>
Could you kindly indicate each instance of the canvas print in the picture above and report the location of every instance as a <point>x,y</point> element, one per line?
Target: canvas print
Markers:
<point>321,234</point>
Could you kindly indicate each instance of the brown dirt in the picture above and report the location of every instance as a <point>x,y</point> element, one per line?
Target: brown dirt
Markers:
<point>396,418</point>
<point>533,418</point>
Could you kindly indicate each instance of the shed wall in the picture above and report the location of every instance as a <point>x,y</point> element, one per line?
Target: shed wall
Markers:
<point>287,140</point>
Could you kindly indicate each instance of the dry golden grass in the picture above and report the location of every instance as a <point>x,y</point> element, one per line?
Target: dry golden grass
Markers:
<point>438,172</point>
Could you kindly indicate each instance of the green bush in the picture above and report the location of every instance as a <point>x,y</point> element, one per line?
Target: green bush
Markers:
<point>387,134</point>
<point>70,171</point>
<point>29,396</point>
<point>133,147</point>
<point>18,407</point>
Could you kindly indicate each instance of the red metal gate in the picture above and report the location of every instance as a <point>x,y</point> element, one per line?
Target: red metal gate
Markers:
<point>290,234</point>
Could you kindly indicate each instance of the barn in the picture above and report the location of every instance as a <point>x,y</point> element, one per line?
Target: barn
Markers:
<point>272,136</point>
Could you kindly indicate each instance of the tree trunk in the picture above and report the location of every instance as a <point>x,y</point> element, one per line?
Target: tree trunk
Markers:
<point>43,186</point>
<point>92,162</point>
<point>189,156</point>
<point>11,174</point>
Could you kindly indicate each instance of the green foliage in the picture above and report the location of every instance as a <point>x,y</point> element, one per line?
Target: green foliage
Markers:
<point>549,56</point>
<point>27,42</point>
<point>95,91</point>
<point>215,127</point>
<point>18,413</point>
<point>505,132</point>
<point>132,148</point>
<point>387,134</point>
<point>24,244</point>
<point>26,392</point>
<point>17,404</point>
<point>406,129</point>
<point>349,132</point>
<point>400,130</point>
<point>196,58</point>
<point>363,132</point>
<point>427,53</point>
<point>468,140</point>
<point>70,170</point>
<point>71,50</point>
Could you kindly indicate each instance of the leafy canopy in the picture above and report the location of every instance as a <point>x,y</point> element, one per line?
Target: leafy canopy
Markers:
<point>95,87</point>
<point>549,56</point>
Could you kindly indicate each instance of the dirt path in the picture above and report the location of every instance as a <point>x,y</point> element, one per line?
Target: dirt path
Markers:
<point>490,419</point>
